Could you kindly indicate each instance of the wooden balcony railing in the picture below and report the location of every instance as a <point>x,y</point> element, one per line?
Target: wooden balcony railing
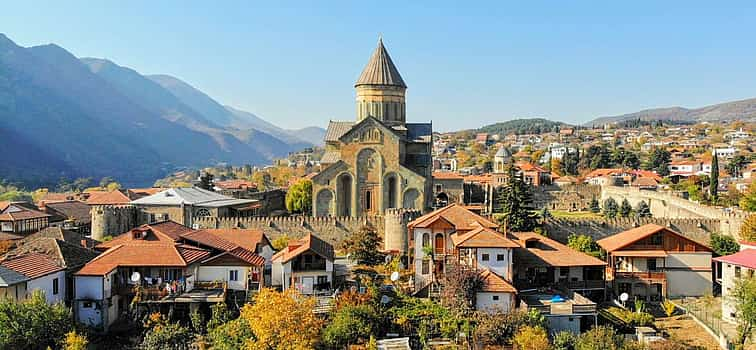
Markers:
<point>659,275</point>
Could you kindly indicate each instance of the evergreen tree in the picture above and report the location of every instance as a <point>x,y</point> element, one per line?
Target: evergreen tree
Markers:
<point>659,161</point>
<point>595,208</point>
<point>625,208</point>
<point>610,208</point>
<point>643,210</point>
<point>714,182</point>
<point>363,246</point>
<point>515,199</point>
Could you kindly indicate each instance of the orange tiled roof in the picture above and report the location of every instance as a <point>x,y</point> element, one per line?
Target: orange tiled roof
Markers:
<point>551,252</point>
<point>142,254</point>
<point>247,238</point>
<point>309,242</point>
<point>447,175</point>
<point>628,237</point>
<point>455,214</point>
<point>482,237</point>
<point>531,167</point>
<point>495,283</point>
<point>166,231</point>
<point>106,198</point>
<point>235,184</point>
<point>32,265</point>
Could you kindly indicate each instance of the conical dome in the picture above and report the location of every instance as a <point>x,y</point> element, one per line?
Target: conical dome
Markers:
<point>380,70</point>
<point>503,152</point>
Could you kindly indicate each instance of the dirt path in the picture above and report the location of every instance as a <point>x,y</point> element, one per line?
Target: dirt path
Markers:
<point>686,331</point>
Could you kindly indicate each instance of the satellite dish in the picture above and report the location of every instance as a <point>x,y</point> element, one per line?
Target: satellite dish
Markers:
<point>394,276</point>
<point>385,299</point>
<point>624,297</point>
<point>135,277</point>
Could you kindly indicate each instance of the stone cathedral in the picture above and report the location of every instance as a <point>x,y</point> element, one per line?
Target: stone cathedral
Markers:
<point>379,161</point>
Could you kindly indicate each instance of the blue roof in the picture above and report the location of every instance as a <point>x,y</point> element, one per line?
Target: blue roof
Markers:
<point>10,277</point>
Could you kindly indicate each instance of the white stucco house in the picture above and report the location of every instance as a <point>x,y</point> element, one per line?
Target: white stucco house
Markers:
<point>732,267</point>
<point>42,273</point>
<point>305,264</point>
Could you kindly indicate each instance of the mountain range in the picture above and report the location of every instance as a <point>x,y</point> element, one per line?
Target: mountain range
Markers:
<point>67,117</point>
<point>742,109</point>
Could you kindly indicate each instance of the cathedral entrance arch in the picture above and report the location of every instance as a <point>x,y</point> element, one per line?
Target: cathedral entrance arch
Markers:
<point>369,175</point>
<point>344,195</point>
<point>411,199</point>
<point>324,202</point>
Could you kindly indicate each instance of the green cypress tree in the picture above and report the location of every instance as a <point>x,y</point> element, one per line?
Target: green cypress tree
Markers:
<point>714,182</point>
<point>625,208</point>
<point>643,211</point>
<point>610,208</point>
<point>515,200</point>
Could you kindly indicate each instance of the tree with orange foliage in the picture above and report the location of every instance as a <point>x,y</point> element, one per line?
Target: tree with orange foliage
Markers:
<point>281,320</point>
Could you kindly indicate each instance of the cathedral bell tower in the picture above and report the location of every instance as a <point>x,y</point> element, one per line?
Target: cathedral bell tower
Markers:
<point>380,90</point>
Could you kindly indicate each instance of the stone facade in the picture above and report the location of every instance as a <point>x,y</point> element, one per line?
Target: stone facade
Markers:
<point>112,220</point>
<point>566,198</point>
<point>697,229</point>
<point>379,162</point>
<point>391,226</point>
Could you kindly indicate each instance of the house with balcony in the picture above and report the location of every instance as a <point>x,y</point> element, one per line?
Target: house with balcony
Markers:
<point>305,264</point>
<point>430,240</point>
<point>165,263</point>
<point>653,262</point>
<point>22,218</point>
<point>490,253</point>
<point>541,262</point>
<point>564,311</point>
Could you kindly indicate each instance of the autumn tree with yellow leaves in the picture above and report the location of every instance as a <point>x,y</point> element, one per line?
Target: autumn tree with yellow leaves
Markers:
<point>281,320</point>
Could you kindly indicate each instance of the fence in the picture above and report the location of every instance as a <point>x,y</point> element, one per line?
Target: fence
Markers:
<point>710,319</point>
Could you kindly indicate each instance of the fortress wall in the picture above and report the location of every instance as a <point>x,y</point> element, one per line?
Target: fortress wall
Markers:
<point>668,205</point>
<point>392,226</point>
<point>697,229</point>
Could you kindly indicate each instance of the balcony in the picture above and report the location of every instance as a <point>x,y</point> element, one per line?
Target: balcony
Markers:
<point>573,304</point>
<point>646,275</point>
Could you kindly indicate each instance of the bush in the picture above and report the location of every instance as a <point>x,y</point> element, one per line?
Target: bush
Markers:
<point>498,328</point>
<point>351,325</point>
<point>669,307</point>
<point>75,341</point>
<point>531,338</point>
<point>32,323</point>
<point>601,337</point>
<point>564,340</point>
<point>167,336</point>
<point>231,335</point>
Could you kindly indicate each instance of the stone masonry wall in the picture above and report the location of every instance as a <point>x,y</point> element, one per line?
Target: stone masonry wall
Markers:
<point>697,229</point>
<point>331,229</point>
<point>667,205</point>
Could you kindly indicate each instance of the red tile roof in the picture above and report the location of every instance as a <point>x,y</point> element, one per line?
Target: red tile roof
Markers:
<point>32,265</point>
<point>247,238</point>
<point>308,243</point>
<point>550,252</point>
<point>235,184</point>
<point>495,283</point>
<point>455,214</point>
<point>628,237</point>
<point>166,231</point>
<point>141,254</point>
<point>482,237</point>
<point>107,198</point>
<point>745,258</point>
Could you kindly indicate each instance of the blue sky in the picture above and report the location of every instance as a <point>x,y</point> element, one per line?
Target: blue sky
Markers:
<point>466,64</point>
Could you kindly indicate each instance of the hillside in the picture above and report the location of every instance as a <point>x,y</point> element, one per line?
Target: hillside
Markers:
<point>743,109</point>
<point>65,117</point>
<point>522,126</point>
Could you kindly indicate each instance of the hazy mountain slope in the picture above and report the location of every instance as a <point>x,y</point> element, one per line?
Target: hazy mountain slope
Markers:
<point>232,118</point>
<point>43,123</point>
<point>158,100</point>
<point>312,134</point>
<point>743,109</point>
<point>196,99</point>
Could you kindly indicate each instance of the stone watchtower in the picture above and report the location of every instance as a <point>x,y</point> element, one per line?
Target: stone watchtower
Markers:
<point>381,90</point>
<point>110,220</point>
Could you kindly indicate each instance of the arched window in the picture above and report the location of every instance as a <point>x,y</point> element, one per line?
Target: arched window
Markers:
<point>426,240</point>
<point>368,200</point>
<point>202,212</point>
